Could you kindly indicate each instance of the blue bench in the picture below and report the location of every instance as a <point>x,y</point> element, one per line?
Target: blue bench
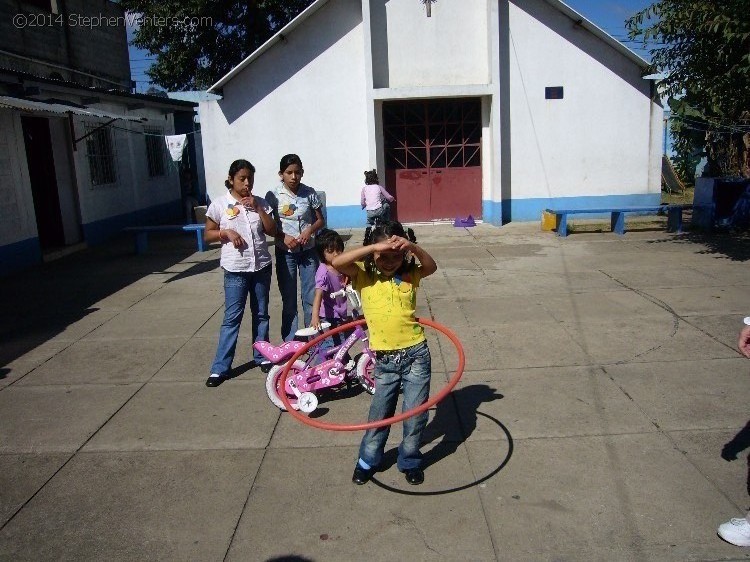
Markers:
<point>142,232</point>
<point>617,220</point>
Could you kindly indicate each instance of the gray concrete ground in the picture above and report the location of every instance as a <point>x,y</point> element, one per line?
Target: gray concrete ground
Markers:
<point>602,380</point>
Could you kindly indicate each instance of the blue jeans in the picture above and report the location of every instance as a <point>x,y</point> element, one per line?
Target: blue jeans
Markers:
<point>237,287</point>
<point>413,365</point>
<point>288,266</point>
<point>382,214</point>
<point>336,339</point>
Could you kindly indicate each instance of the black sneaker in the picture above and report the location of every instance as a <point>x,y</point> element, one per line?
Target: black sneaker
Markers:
<point>214,380</point>
<point>362,475</point>
<point>414,476</point>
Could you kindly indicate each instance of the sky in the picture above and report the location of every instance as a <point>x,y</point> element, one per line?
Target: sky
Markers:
<point>609,15</point>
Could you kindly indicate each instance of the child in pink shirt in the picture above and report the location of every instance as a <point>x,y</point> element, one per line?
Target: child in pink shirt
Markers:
<point>375,199</point>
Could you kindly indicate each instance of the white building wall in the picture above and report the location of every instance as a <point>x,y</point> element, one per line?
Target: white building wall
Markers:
<point>16,204</point>
<point>133,189</point>
<point>305,95</point>
<point>448,48</point>
<point>592,142</point>
<point>199,167</point>
<point>310,93</point>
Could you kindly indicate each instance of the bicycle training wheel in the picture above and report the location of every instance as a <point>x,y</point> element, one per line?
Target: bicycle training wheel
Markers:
<point>272,384</point>
<point>365,367</point>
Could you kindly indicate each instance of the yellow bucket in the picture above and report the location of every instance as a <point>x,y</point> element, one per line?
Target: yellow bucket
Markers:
<point>549,222</point>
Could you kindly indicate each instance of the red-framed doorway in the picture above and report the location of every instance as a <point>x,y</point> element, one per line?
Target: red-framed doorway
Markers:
<point>433,158</point>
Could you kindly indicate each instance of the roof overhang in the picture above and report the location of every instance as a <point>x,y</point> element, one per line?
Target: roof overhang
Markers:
<point>61,109</point>
<point>598,32</point>
<point>317,4</point>
<point>276,38</point>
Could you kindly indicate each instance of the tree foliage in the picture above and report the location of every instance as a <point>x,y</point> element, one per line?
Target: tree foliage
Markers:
<point>701,48</point>
<point>196,42</point>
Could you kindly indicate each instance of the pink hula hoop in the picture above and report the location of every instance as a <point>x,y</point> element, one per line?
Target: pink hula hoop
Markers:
<point>379,423</point>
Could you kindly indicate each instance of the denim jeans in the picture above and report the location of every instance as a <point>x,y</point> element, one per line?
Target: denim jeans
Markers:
<point>288,266</point>
<point>237,287</point>
<point>413,365</point>
<point>336,339</point>
<point>382,214</point>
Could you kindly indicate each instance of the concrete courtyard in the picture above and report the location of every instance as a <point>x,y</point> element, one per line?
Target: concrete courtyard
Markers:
<point>602,381</point>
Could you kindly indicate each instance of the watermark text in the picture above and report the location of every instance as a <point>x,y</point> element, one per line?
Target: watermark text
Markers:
<point>22,21</point>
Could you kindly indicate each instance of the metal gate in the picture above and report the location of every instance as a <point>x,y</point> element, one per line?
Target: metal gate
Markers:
<point>433,158</point>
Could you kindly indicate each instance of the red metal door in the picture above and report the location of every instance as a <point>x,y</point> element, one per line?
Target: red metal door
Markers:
<point>433,163</point>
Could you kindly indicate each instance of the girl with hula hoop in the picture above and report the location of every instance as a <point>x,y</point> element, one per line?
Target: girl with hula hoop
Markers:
<point>385,273</point>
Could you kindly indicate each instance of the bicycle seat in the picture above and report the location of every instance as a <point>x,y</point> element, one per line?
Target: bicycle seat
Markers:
<point>307,332</point>
<point>278,354</point>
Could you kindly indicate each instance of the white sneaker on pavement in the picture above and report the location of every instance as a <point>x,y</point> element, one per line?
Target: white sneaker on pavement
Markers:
<point>735,531</point>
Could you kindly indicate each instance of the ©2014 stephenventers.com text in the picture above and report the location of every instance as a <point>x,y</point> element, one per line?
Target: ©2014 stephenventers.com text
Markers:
<point>22,21</point>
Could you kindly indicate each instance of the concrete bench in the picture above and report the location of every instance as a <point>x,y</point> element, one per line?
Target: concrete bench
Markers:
<point>142,232</point>
<point>617,219</point>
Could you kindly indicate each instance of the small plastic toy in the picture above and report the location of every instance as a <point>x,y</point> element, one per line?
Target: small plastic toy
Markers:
<point>321,367</point>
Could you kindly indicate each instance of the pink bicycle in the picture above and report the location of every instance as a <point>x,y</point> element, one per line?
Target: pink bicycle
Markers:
<point>322,367</point>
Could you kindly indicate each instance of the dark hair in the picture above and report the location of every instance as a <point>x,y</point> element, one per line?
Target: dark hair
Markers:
<point>289,159</point>
<point>328,240</point>
<point>371,177</point>
<point>383,231</point>
<point>236,166</point>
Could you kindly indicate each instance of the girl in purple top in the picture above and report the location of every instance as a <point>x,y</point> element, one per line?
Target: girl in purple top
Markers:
<point>328,280</point>
<point>375,199</point>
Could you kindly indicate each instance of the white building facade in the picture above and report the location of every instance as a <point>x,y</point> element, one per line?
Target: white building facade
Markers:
<point>78,164</point>
<point>493,108</point>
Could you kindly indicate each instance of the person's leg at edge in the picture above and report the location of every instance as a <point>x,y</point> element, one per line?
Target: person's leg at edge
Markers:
<point>286,276</point>
<point>260,285</point>
<point>416,392</point>
<point>330,341</point>
<point>235,296</point>
<point>307,265</point>
<point>386,215</point>
<point>387,382</point>
<point>736,531</point>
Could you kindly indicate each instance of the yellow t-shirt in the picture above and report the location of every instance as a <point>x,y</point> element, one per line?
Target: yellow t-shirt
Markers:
<point>389,304</point>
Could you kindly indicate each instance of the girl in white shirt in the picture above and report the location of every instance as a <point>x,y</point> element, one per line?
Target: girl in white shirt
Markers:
<point>241,221</point>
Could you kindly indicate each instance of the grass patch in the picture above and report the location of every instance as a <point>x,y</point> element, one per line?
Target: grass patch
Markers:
<point>678,198</point>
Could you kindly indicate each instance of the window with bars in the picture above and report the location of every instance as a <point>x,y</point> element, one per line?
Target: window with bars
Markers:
<point>432,134</point>
<point>100,151</point>
<point>155,152</point>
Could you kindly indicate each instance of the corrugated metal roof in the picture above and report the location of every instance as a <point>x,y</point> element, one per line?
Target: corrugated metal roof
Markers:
<point>174,103</point>
<point>59,108</point>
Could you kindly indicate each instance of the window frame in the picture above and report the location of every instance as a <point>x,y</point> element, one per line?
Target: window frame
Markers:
<point>101,154</point>
<point>156,164</point>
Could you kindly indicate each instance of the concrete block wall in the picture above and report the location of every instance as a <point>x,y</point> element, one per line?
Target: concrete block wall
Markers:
<point>47,37</point>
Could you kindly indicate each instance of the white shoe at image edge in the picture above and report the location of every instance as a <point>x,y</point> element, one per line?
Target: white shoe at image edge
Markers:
<point>735,531</point>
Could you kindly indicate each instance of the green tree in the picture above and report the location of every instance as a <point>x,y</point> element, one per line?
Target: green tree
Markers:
<point>701,48</point>
<point>196,42</point>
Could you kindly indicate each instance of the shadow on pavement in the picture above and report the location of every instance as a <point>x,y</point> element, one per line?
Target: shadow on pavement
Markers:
<point>41,301</point>
<point>731,245</point>
<point>735,446</point>
<point>462,404</point>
